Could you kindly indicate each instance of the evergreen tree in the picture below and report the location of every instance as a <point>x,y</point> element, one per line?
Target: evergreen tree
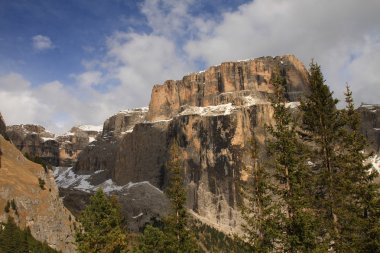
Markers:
<point>263,217</point>
<point>362,232</point>
<point>176,236</point>
<point>16,240</point>
<point>179,236</point>
<point>101,230</point>
<point>291,175</point>
<point>343,189</point>
<point>153,240</point>
<point>321,128</point>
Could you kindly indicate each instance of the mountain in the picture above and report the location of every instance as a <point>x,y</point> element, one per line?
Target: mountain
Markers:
<point>212,114</point>
<point>29,194</point>
<point>36,141</point>
<point>370,124</point>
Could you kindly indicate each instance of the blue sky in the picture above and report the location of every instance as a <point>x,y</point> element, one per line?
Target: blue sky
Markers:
<point>64,63</point>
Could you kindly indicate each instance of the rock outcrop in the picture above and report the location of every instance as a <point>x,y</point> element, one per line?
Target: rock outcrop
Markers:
<point>73,142</point>
<point>35,198</point>
<point>100,155</point>
<point>370,124</point>
<point>224,83</point>
<point>212,115</point>
<point>36,141</point>
<point>3,127</point>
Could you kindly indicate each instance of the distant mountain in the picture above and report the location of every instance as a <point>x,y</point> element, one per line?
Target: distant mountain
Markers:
<point>29,194</point>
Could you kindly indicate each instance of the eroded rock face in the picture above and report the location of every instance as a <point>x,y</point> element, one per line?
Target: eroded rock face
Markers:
<point>212,116</point>
<point>73,142</point>
<point>370,124</point>
<point>123,122</point>
<point>3,127</point>
<point>62,150</point>
<point>101,154</point>
<point>218,84</point>
<point>35,141</point>
<point>38,207</point>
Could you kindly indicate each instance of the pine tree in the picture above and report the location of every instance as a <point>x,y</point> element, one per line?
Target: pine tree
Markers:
<point>263,218</point>
<point>153,240</point>
<point>101,227</point>
<point>176,236</point>
<point>343,188</point>
<point>176,225</point>
<point>362,232</point>
<point>291,175</point>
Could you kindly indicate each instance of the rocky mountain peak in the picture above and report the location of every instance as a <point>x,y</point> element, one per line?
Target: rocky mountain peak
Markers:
<point>223,83</point>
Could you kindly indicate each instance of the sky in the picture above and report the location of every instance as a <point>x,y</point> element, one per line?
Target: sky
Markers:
<point>72,62</point>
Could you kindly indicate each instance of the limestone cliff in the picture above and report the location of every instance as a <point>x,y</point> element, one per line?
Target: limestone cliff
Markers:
<point>36,200</point>
<point>212,115</point>
<point>370,124</point>
<point>222,84</point>
<point>62,150</point>
<point>73,142</point>
<point>100,155</point>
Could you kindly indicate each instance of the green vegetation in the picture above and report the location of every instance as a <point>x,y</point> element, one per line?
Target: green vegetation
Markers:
<point>317,175</point>
<point>101,230</point>
<point>215,241</point>
<point>15,240</point>
<point>176,236</point>
<point>41,183</point>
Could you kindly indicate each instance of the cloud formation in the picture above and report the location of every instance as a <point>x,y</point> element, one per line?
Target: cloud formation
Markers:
<point>343,36</point>
<point>41,42</point>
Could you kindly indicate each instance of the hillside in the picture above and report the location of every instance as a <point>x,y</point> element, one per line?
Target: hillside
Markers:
<point>34,199</point>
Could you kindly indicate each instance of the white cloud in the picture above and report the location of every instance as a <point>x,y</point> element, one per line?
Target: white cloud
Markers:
<point>342,35</point>
<point>328,31</point>
<point>41,42</point>
<point>89,78</point>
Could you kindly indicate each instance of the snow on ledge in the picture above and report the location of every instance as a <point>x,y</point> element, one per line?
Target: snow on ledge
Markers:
<point>292,105</point>
<point>65,178</point>
<point>44,139</point>
<point>376,163</point>
<point>91,128</point>
<point>214,110</point>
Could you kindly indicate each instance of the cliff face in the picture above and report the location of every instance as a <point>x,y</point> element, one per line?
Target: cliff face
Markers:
<point>73,142</point>
<point>370,124</point>
<point>63,150</point>
<point>100,155</point>
<point>212,115</point>
<point>221,84</point>
<point>35,141</point>
<point>39,209</point>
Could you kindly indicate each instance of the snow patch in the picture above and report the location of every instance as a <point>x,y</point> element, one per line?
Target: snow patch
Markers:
<point>376,163</point>
<point>159,121</point>
<point>134,110</point>
<point>292,105</point>
<point>215,110</point>
<point>91,128</point>
<point>109,186</point>
<point>91,139</point>
<point>137,216</point>
<point>66,178</point>
<point>44,139</point>
<point>244,60</point>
